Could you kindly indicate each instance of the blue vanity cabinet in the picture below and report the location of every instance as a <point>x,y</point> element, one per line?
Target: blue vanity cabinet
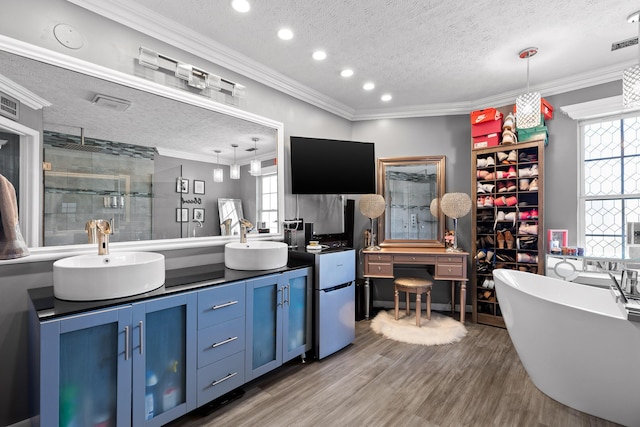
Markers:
<point>221,341</point>
<point>116,366</point>
<point>278,320</point>
<point>85,369</point>
<point>164,358</point>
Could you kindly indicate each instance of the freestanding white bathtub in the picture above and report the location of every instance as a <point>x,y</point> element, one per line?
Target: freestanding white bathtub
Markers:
<point>574,342</point>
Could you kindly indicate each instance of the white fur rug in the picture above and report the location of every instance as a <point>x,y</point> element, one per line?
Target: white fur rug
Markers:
<point>439,330</point>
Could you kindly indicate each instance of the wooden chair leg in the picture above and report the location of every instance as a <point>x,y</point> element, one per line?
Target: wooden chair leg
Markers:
<point>429,304</point>
<point>407,294</point>
<point>396,302</point>
<point>418,304</point>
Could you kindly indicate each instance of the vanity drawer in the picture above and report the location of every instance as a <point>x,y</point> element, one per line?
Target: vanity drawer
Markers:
<point>451,259</point>
<point>220,303</point>
<point>453,271</point>
<point>219,378</point>
<point>219,341</point>
<point>378,269</point>
<point>414,259</point>
<point>377,258</point>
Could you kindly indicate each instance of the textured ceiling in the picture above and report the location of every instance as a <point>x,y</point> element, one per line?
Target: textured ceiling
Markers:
<point>427,54</point>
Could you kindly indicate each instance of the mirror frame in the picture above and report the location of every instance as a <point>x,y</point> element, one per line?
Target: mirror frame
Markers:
<point>32,183</point>
<point>383,164</point>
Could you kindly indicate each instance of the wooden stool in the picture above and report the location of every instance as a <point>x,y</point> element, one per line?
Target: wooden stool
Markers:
<point>413,285</point>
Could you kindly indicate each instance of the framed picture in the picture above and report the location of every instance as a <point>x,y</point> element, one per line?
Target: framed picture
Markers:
<point>198,214</point>
<point>556,240</point>
<point>182,185</point>
<point>198,187</point>
<point>182,214</point>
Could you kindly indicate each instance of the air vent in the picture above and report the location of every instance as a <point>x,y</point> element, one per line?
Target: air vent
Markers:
<point>9,107</point>
<point>111,103</point>
<point>624,43</point>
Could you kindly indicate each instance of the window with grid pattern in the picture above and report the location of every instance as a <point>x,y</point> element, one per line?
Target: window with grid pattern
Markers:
<point>269,201</point>
<point>610,186</point>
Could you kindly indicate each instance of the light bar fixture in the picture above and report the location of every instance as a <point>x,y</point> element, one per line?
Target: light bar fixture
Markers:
<point>235,167</point>
<point>195,77</point>
<point>631,76</point>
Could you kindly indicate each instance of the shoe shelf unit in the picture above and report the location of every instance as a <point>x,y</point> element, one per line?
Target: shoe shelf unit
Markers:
<point>507,217</point>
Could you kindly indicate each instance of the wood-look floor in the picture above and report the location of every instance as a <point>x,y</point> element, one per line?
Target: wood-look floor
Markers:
<point>479,381</point>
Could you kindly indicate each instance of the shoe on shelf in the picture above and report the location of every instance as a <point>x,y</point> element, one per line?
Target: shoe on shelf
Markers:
<point>480,202</point>
<point>509,239</point>
<point>490,176</point>
<point>480,188</point>
<point>499,201</point>
<point>534,213</point>
<point>534,185</point>
<point>488,202</point>
<point>482,174</point>
<point>509,122</point>
<point>481,163</point>
<point>534,170</point>
<point>502,156</point>
<point>524,172</point>
<point>489,257</point>
<point>500,239</point>
<point>524,184</point>
<point>508,137</point>
<point>482,253</point>
<point>511,201</point>
<point>500,216</point>
<point>490,161</point>
<point>488,187</point>
<point>524,215</point>
<point>511,186</point>
<point>502,187</point>
<point>511,216</point>
<point>512,173</point>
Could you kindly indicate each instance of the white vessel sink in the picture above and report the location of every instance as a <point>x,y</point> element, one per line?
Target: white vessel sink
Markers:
<point>100,277</point>
<point>261,255</point>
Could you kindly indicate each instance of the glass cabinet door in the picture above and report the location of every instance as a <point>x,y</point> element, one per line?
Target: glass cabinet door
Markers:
<point>265,297</point>
<point>92,371</point>
<point>297,314</point>
<point>163,359</point>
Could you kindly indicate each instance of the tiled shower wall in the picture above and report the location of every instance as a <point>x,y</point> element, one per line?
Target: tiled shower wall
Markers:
<point>97,180</point>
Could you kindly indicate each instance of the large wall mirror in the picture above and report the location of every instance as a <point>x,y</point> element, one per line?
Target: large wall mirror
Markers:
<point>408,185</point>
<point>133,151</point>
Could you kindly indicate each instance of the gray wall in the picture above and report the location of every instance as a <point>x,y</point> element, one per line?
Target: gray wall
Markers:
<point>114,46</point>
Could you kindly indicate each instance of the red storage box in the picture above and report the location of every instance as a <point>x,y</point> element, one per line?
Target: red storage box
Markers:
<point>545,108</point>
<point>487,128</point>
<point>486,115</point>
<point>485,141</point>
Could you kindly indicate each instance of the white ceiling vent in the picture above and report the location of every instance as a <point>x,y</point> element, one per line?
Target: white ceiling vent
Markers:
<point>9,107</point>
<point>111,103</point>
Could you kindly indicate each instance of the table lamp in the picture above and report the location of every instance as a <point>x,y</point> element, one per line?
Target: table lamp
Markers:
<point>455,205</point>
<point>372,206</point>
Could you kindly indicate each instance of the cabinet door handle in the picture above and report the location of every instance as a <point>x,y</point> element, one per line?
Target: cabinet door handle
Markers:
<point>287,297</point>
<point>126,343</point>
<point>228,340</point>
<point>141,332</point>
<point>229,376</point>
<point>226,304</point>
<point>281,290</point>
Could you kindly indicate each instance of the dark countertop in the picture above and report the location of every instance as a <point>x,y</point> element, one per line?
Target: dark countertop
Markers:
<point>179,280</point>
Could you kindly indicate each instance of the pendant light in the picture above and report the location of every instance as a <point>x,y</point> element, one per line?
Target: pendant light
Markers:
<point>235,168</point>
<point>528,104</point>
<point>217,172</point>
<point>631,76</point>
<point>256,165</point>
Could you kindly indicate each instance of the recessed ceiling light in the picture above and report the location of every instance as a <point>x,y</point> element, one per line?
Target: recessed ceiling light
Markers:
<point>386,97</point>
<point>241,6</point>
<point>368,86</point>
<point>346,72</point>
<point>285,34</point>
<point>319,55</point>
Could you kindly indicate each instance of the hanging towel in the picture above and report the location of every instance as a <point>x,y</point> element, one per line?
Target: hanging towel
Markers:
<point>12,245</point>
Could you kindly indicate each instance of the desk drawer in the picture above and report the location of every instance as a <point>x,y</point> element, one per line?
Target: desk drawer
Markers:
<point>446,271</point>
<point>221,340</point>
<point>219,378</point>
<point>377,258</point>
<point>451,259</point>
<point>378,269</point>
<point>220,303</point>
<point>414,259</point>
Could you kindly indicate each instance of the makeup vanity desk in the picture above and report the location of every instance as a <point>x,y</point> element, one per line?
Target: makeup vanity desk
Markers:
<point>447,266</point>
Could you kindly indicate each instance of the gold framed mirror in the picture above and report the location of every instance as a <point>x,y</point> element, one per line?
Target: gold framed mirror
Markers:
<point>408,185</point>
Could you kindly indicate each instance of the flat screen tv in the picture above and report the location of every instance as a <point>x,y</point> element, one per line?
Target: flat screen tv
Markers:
<point>329,166</point>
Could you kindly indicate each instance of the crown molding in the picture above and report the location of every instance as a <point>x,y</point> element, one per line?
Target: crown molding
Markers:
<point>23,95</point>
<point>154,25</point>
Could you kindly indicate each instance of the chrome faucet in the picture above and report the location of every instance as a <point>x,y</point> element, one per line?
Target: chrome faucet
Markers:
<point>99,230</point>
<point>244,225</point>
<point>198,225</point>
